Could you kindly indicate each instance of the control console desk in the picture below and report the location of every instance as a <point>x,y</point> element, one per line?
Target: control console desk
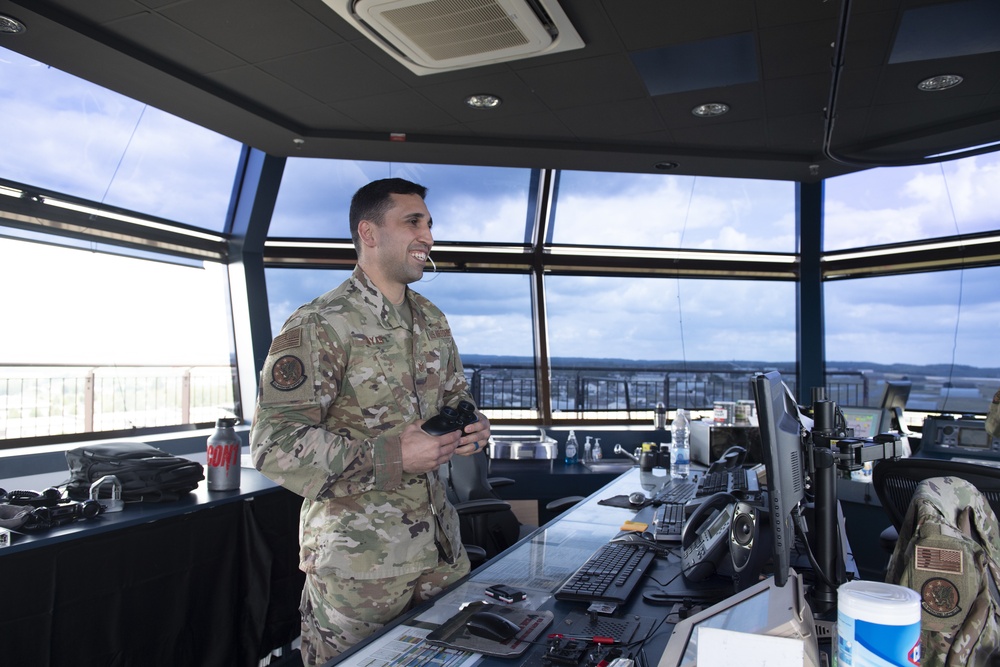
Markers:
<point>536,568</point>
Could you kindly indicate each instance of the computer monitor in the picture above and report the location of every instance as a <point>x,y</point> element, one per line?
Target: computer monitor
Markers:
<point>865,421</point>
<point>783,454</point>
<point>896,393</point>
<point>762,609</point>
<point>894,398</point>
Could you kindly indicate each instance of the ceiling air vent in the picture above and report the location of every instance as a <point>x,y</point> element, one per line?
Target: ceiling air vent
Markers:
<point>431,36</point>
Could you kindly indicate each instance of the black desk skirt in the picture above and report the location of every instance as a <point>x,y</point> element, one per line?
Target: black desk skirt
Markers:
<point>216,586</point>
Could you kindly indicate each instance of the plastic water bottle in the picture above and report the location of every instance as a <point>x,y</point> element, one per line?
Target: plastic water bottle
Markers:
<point>680,436</point>
<point>571,447</point>
<point>588,451</point>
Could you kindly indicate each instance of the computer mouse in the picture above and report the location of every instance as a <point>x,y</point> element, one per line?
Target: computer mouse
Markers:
<point>637,498</point>
<point>491,625</point>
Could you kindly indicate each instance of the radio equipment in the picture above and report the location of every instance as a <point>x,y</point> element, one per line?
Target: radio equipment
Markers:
<point>947,436</point>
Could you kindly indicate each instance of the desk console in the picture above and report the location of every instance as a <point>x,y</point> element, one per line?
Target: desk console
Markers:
<point>946,436</point>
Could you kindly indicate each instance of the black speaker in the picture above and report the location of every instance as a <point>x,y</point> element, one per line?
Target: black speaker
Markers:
<point>749,544</point>
<point>742,534</point>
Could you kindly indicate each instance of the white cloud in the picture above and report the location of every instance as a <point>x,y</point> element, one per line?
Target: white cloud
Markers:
<point>77,307</point>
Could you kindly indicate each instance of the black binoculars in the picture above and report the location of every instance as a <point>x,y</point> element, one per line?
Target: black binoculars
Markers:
<point>451,419</point>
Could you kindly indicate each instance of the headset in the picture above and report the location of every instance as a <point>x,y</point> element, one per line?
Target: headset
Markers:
<point>731,459</point>
<point>47,498</point>
<point>41,510</point>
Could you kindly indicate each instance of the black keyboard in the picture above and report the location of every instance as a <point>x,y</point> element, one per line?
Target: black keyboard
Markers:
<point>730,481</point>
<point>668,521</point>
<point>676,491</point>
<point>611,574</point>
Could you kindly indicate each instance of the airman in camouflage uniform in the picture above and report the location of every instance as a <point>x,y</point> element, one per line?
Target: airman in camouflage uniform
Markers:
<point>343,391</point>
<point>948,551</point>
<point>993,416</point>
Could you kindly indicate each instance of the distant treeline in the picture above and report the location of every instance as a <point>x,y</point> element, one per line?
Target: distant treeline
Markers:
<point>936,370</point>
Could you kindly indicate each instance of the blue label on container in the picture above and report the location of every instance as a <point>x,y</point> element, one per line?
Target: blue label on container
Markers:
<point>867,644</point>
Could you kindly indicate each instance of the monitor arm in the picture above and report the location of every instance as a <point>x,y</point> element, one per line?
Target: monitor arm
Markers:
<point>833,448</point>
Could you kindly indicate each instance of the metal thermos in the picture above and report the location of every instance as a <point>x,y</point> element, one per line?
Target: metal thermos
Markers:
<point>224,456</point>
<point>660,417</point>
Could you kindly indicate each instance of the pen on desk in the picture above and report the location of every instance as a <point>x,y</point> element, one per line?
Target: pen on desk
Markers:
<point>595,640</point>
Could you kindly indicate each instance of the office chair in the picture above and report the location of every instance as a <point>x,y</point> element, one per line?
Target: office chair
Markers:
<point>895,480</point>
<point>488,524</point>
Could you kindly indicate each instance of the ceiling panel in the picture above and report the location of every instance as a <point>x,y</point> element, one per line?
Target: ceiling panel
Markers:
<point>267,71</point>
<point>254,30</point>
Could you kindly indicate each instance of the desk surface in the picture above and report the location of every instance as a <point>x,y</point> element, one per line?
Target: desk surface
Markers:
<point>209,580</point>
<point>252,483</point>
<point>537,566</point>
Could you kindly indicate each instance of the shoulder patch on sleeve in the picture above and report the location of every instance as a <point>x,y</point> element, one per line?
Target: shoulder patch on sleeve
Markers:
<point>288,373</point>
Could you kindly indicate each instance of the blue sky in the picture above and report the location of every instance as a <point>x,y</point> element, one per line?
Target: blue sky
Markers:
<point>66,135</point>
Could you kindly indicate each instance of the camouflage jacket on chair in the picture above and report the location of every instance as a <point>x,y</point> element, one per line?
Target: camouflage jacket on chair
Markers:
<point>948,552</point>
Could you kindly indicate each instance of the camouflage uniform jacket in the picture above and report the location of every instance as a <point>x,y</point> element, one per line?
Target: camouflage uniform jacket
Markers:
<point>948,551</point>
<point>341,381</point>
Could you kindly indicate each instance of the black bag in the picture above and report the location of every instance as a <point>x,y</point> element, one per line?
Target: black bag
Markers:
<point>146,473</point>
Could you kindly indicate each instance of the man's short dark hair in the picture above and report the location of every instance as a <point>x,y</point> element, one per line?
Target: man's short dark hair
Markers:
<point>374,200</point>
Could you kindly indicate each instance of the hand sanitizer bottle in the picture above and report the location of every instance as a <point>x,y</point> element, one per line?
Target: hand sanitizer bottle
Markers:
<point>598,454</point>
<point>571,456</point>
<point>588,452</point>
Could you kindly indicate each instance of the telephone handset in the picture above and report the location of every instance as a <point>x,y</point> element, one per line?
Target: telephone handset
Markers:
<point>705,539</point>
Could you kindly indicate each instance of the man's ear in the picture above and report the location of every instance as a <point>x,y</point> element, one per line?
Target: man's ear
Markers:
<point>366,232</point>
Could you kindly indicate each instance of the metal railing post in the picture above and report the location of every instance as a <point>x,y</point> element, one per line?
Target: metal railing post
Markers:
<point>186,397</point>
<point>88,402</point>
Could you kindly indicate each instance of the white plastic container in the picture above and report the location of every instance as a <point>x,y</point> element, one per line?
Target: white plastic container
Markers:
<point>878,625</point>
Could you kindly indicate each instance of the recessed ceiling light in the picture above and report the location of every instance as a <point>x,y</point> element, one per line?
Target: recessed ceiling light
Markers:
<point>483,101</point>
<point>940,82</point>
<point>665,166</point>
<point>711,109</point>
<point>11,26</point>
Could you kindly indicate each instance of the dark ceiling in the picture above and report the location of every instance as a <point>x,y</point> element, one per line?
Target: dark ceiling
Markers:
<point>291,77</point>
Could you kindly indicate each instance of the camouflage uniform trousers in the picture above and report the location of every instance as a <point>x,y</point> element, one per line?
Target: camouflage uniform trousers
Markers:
<point>338,613</point>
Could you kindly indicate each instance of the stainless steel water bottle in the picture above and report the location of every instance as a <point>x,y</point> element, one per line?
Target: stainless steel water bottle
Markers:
<point>660,417</point>
<point>224,456</point>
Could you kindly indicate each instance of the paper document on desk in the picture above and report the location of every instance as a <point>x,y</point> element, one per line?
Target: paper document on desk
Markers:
<point>404,646</point>
<point>716,648</point>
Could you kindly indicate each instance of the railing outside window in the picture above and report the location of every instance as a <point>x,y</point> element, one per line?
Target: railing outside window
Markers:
<point>39,401</point>
<point>55,400</point>
<point>584,392</point>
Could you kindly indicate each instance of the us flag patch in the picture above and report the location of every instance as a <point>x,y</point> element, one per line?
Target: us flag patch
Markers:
<point>935,559</point>
<point>286,341</point>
